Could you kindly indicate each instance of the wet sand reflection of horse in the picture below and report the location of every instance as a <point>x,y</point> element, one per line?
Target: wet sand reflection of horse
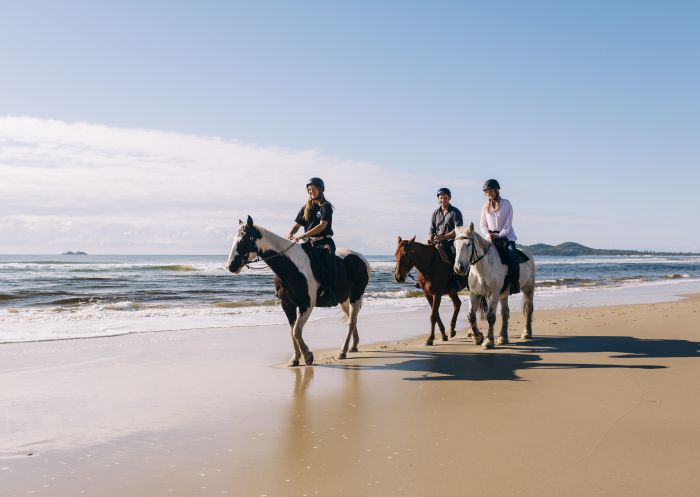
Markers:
<point>433,278</point>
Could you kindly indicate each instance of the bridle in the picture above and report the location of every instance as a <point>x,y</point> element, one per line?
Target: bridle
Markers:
<point>248,263</point>
<point>472,259</point>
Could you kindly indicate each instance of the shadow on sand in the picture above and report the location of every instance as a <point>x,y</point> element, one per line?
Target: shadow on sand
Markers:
<point>437,365</point>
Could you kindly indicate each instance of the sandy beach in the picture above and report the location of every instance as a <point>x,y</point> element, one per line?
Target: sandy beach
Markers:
<point>602,402</point>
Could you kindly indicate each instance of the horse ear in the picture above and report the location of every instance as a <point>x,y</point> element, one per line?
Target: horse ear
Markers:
<point>471,228</point>
<point>399,239</point>
<point>412,239</point>
<point>240,222</point>
<point>250,221</point>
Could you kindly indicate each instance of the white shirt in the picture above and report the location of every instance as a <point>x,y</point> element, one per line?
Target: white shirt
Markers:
<point>501,221</point>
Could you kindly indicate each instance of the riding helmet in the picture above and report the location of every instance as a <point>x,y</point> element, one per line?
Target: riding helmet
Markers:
<point>444,191</point>
<point>318,182</point>
<point>491,184</point>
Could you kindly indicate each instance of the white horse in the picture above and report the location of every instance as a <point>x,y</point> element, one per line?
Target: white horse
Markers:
<point>486,277</point>
<point>296,282</point>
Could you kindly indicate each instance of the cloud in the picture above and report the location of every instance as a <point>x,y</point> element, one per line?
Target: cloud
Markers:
<point>82,186</point>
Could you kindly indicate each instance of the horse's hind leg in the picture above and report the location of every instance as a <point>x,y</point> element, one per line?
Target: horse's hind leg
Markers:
<point>528,310</point>
<point>297,331</point>
<point>354,311</point>
<point>457,304</point>
<point>343,352</point>
<point>505,315</point>
<point>291,312</point>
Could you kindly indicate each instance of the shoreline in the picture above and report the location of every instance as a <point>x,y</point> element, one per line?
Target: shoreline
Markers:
<point>650,292</point>
<point>585,408</point>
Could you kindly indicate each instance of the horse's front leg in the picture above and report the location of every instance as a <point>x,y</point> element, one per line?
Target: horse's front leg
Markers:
<point>505,315</point>
<point>291,312</point>
<point>457,305</point>
<point>474,301</point>
<point>434,318</point>
<point>297,331</point>
<point>491,320</point>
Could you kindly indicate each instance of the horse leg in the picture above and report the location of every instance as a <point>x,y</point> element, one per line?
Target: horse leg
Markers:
<point>354,311</point>
<point>505,315</point>
<point>491,319</point>
<point>437,300</point>
<point>528,309</point>
<point>345,307</point>
<point>457,305</point>
<point>473,305</point>
<point>291,312</point>
<point>297,330</point>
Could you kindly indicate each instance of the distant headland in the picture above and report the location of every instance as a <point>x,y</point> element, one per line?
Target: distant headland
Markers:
<point>79,252</point>
<point>573,248</point>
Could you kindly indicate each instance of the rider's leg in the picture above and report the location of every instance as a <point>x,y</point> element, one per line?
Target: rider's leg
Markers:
<point>514,267</point>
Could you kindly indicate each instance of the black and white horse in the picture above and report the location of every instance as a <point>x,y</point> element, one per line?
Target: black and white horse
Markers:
<point>296,284</point>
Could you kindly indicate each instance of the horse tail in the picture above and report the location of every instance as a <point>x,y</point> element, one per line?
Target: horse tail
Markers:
<point>482,306</point>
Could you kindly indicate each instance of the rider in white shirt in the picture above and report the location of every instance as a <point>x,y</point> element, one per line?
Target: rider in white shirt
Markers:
<point>497,225</point>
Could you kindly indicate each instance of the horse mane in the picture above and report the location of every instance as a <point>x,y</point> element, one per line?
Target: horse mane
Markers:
<point>272,241</point>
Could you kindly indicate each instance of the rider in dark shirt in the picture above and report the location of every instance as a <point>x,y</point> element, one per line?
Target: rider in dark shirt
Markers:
<point>443,223</point>
<point>317,219</point>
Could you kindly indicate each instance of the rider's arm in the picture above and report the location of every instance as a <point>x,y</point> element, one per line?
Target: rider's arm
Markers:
<point>314,231</point>
<point>294,229</point>
<point>483,224</point>
<point>508,211</point>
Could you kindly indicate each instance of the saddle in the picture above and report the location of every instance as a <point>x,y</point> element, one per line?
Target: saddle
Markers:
<point>321,271</point>
<point>500,244</point>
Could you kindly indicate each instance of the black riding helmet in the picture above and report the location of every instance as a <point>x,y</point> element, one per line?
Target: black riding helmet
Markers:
<point>491,184</point>
<point>318,182</point>
<point>444,191</point>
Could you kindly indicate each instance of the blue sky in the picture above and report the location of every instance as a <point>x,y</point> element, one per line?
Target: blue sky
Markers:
<point>586,112</point>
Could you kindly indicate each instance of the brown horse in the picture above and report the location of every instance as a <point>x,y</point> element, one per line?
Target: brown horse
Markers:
<point>433,277</point>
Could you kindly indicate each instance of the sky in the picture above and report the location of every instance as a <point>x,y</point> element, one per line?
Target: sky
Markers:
<point>152,127</point>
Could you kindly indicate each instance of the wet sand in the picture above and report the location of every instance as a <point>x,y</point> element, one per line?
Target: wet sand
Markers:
<point>604,401</point>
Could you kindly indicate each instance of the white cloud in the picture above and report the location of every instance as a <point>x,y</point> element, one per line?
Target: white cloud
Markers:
<point>81,186</point>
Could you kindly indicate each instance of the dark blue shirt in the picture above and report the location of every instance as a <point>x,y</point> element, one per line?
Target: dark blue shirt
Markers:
<point>442,224</point>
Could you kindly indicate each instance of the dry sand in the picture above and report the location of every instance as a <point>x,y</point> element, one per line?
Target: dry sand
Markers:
<point>604,401</point>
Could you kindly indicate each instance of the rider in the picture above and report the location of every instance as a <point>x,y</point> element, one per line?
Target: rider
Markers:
<point>317,218</point>
<point>497,224</point>
<point>443,223</point>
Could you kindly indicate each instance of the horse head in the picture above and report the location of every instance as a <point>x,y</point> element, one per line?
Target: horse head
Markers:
<point>404,259</point>
<point>464,248</point>
<point>245,246</point>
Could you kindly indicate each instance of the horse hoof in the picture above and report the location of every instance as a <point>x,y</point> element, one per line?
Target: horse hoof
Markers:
<point>488,344</point>
<point>469,334</point>
<point>444,338</point>
<point>428,343</point>
<point>525,335</point>
<point>309,359</point>
<point>453,333</point>
<point>354,349</point>
<point>478,338</point>
<point>342,355</point>
<point>501,341</point>
<point>293,363</point>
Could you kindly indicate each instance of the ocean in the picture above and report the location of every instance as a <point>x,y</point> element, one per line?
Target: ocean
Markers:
<point>79,296</point>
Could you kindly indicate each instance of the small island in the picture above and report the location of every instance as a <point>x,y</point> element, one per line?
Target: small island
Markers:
<point>575,249</point>
<point>79,252</point>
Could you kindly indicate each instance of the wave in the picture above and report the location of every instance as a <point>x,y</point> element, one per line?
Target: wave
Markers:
<point>169,267</point>
<point>244,303</point>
